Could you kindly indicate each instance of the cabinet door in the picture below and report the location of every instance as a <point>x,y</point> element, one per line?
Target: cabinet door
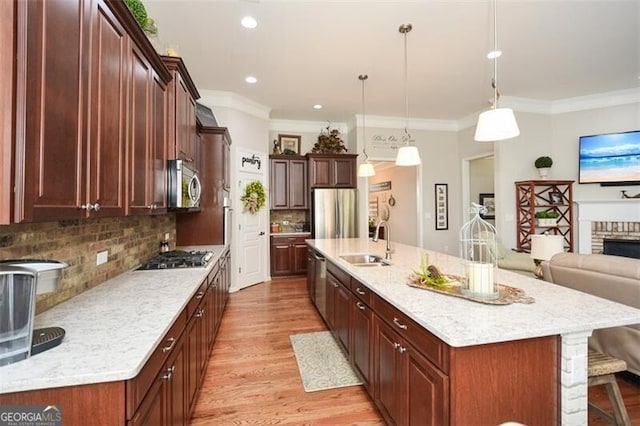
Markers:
<point>427,402</point>
<point>332,291</point>
<point>185,116</point>
<point>139,155</point>
<point>388,373</point>
<point>320,172</point>
<point>192,337</point>
<point>176,377</point>
<point>50,141</point>
<point>298,188</point>
<point>280,256</point>
<point>279,182</point>
<point>153,408</point>
<point>299,251</point>
<point>361,341</point>
<point>341,316</point>
<point>158,145</point>
<point>344,172</point>
<point>107,128</point>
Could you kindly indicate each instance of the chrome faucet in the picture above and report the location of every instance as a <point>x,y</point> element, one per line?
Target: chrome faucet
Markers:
<point>389,250</point>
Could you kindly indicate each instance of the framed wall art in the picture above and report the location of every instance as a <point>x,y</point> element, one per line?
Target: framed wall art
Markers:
<point>442,206</point>
<point>289,142</point>
<point>489,203</point>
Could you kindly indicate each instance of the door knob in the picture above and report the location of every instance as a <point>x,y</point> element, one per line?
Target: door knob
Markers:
<point>261,233</point>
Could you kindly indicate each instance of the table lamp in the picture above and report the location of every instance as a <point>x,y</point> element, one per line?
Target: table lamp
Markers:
<point>543,247</point>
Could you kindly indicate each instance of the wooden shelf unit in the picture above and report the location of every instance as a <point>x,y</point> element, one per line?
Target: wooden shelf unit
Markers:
<point>537,195</point>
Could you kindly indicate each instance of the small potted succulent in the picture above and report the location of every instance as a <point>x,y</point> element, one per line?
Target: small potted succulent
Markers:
<point>547,218</point>
<point>543,164</point>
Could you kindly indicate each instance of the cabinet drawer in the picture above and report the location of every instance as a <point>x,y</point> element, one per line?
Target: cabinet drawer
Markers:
<point>341,275</point>
<point>426,343</point>
<point>138,386</point>
<point>361,291</point>
<point>192,306</point>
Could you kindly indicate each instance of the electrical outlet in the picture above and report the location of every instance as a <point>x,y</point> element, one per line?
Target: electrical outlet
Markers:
<point>102,257</point>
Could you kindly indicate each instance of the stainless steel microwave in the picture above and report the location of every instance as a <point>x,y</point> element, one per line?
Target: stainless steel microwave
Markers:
<point>184,187</point>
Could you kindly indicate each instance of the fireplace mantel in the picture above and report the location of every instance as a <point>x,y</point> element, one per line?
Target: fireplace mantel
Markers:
<point>619,210</point>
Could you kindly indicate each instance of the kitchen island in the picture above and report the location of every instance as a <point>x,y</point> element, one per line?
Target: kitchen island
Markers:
<point>542,345</point>
<point>136,343</point>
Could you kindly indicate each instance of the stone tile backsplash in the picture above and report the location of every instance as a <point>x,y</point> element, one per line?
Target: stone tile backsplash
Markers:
<point>130,240</point>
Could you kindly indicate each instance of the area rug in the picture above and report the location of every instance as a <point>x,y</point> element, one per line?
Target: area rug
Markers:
<point>321,363</point>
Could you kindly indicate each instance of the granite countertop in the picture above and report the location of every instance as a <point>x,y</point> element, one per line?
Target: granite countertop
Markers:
<point>459,322</point>
<point>111,330</point>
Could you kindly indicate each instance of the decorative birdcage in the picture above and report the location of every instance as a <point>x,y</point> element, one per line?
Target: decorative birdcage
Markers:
<point>478,254</point>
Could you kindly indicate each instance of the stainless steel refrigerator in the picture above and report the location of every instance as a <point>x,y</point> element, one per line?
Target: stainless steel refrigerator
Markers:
<point>334,213</point>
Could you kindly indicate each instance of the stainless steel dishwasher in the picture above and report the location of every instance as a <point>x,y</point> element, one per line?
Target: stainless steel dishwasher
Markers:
<point>320,278</point>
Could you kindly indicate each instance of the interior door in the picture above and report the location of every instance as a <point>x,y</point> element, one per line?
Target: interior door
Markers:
<point>253,238</point>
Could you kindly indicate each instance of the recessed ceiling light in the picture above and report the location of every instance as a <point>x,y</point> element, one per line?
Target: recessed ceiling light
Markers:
<point>251,79</point>
<point>317,106</point>
<point>494,54</point>
<point>249,22</point>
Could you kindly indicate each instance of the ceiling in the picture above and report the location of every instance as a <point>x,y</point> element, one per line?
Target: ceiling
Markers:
<point>308,52</point>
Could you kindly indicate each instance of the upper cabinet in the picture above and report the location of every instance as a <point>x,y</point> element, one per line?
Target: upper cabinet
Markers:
<point>181,121</point>
<point>332,170</point>
<point>288,186</point>
<point>88,86</point>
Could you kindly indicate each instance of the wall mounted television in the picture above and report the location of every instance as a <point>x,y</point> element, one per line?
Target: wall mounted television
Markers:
<point>610,159</point>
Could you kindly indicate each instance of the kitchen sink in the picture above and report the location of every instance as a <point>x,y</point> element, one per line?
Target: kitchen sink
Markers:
<point>365,259</point>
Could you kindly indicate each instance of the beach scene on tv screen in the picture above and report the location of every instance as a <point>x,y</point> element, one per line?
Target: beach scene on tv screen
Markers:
<point>610,158</point>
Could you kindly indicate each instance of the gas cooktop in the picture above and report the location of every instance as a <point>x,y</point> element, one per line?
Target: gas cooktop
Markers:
<point>178,259</point>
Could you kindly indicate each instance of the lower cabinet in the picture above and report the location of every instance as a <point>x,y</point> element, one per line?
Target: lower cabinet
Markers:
<point>408,388</point>
<point>415,378</point>
<point>288,255</point>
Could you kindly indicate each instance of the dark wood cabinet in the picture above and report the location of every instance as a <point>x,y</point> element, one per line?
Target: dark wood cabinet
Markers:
<point>409,389</point>
<point>207,226</point>
<point>332,170</point>
<point>288,255</point>
<point>415,378</point>
<point>288,182</point>
<point>182,111</point>
<point>78,109</point>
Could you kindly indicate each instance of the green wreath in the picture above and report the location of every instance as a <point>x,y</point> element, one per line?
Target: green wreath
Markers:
<point>254,197</point>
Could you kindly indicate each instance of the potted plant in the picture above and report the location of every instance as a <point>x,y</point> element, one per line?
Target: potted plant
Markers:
<point>547,218</point>
<point>329,142</point>
<point>543,164</point>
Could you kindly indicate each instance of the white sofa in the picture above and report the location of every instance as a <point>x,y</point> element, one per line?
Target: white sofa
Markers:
<point>614,278</point>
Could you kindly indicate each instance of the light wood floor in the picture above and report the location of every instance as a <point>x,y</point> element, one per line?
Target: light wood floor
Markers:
<point>252,377</point>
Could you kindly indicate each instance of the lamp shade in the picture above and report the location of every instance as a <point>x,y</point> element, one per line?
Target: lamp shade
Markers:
<point>496,125</point>
<point>366,169</point>
<point>543,247</point>
<point>408,155</point>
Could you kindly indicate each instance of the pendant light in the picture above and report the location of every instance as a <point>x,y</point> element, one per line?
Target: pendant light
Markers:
<point>497,123</point>
<point>408,155</point>
<point>365,169</point>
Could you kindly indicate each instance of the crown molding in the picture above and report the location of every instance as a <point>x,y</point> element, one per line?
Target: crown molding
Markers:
<point>600,100</point>
<point>216,98</point>
<point>304,126</point>
<point>383,122</point>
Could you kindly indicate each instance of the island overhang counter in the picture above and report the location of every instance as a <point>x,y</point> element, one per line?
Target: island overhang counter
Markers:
<point>557,312</point>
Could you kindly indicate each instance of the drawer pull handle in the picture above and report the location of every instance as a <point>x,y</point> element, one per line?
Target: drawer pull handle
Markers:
<point>360,306</point>
<point>334,284</point>
<point>172,342</point>
<point>402,349</point>
<point>199,295</point>
<point>169,373</point>
<point>200,313</point>
<point>399,324</point>
<point>396,345</point>
<point>360,292</point>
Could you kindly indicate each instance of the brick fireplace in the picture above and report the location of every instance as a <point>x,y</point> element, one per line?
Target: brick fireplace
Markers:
<point>611,219</point>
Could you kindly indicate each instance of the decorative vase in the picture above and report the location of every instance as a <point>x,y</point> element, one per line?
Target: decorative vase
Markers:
<point>543,172</point>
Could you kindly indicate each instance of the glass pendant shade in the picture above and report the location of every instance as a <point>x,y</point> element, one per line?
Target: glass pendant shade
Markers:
<point>496,125</point>
<point>408,155</point>
<point>366,170</point>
